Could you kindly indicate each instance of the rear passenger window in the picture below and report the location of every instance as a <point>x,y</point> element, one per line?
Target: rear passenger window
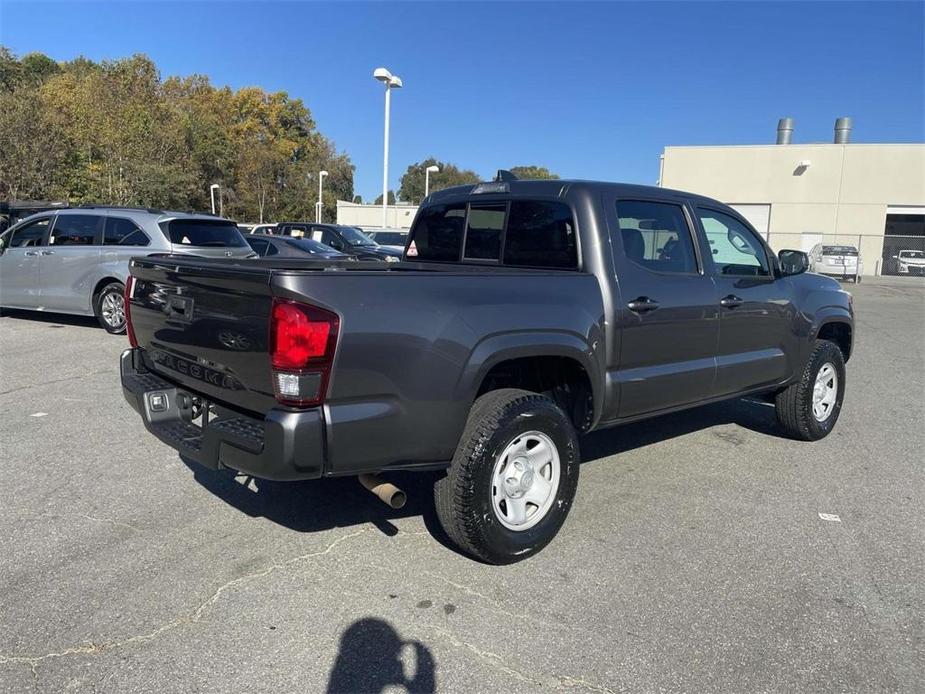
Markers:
<point>656,236</point>
<point>438,233</point>
<point>483,232</point>
<point>540,234</point>
<point>123,232</point>
<point>75,230</point>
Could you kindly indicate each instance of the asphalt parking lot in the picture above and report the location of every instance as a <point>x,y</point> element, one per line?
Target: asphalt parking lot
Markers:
<point>695,558</point>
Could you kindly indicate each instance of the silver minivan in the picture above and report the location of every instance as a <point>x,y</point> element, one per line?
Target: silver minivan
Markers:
<point>75,260</point>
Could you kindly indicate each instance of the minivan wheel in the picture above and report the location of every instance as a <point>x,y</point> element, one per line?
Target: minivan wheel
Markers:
<point>513,478</point>
<point>809,408</point>
<point>109,307</point>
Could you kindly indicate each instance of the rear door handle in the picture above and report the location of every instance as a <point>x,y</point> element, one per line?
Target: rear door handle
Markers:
<point>643,304</point>
<point>731,301</point>
<point>47,252</point>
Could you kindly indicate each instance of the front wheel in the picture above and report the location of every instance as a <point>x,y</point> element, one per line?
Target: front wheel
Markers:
<point>109,307</point>
<point>809,408</point>
<point>513,478</point>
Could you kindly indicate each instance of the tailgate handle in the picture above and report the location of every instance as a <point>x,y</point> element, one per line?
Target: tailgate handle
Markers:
<point>180,307</point>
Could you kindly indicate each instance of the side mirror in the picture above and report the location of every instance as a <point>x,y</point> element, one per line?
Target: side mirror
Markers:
<point>792,262</point>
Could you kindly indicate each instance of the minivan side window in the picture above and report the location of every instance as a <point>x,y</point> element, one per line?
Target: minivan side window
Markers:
<point>656,236</point>
<point>736,250</point>
<point>119,231</point>
<point>75,230</point>
<point>31,234</point>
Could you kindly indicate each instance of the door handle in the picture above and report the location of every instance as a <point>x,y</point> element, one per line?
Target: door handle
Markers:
<point>31,253</point>
<point>47,252</point>
<point>643,304</point>
<point>731,301</point>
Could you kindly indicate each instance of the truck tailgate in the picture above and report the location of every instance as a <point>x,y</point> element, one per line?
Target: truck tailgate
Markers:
<point>205,326</point>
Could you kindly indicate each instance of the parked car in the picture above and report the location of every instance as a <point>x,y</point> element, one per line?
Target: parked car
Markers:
<point>346,239</point>
<point>910,262</point>
<point>393,239</point>
<point>836,261</point>
<point>75,260</point>
<point>290,247</point>
<point>524,314</point>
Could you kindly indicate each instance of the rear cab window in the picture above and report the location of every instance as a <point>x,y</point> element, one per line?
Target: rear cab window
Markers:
<point>518,233</point>
<point>203,233</point>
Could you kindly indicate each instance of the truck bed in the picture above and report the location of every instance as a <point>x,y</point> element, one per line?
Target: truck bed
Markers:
<point>413,339</point>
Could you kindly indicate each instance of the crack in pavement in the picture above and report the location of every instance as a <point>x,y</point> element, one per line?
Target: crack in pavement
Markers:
<point>91,648</point>
<point>65,516</point>
<point>51,383</point>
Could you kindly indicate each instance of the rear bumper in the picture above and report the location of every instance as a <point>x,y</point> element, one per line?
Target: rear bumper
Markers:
<point>284,445</point>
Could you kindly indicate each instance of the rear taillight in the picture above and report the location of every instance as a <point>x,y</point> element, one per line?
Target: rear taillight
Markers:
<point>302,343</point>
<point>130,331</point>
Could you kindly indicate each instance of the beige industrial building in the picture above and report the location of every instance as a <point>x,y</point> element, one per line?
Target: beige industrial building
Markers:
<point>871,196</point>
<point>357,214</point>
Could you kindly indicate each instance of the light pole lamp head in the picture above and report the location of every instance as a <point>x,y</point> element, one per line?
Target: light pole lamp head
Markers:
<point>433,168</point>
<point>390,80</point>
<point>322,173</point>
<point>214,186</point>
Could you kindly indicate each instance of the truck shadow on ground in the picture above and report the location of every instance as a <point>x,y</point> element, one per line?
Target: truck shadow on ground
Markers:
<point>327,503</point>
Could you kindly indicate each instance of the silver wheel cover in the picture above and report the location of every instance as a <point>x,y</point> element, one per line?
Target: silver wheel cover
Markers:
<point>825,392</point>
<point>525,481</point>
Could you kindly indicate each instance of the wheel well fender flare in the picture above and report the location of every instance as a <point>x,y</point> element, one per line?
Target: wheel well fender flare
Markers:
<point>495,349</point>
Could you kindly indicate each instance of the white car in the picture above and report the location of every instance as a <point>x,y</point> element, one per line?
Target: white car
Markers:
<point>836,261</point>
<point>911,262</point>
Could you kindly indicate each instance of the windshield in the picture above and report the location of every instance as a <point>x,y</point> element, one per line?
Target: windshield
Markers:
<point>310,246</point>
<point>355,237</point>
<point>912,254</point>
<point>839,250</point>
<point>203,233</point>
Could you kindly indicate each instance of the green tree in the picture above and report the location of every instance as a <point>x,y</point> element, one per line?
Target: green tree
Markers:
<point>378,200</point>
<point>117,133</point>
<point>358,199</point>
<point>411,188</point>
<point>528,173</point>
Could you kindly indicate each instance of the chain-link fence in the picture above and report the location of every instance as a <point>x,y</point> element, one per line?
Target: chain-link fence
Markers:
<point>877,254</point>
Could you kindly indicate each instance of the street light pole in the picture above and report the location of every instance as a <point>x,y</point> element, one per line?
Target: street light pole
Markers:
<point>319,204</point>
<point>212,189</point>
<point>390,81</point>
<point>427,172</point>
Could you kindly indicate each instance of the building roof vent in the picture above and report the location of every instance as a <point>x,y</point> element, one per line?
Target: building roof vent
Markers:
<point>784,131</point>
<point>842,131</point>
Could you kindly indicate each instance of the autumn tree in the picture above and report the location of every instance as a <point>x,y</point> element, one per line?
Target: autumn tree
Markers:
<point>115,132</point>
<point>412,182</point>
<point>528,173</point>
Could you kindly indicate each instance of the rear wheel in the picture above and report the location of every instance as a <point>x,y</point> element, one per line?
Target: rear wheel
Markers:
<point>109,307</point>
<point>513,478</point>
<point>809,408</point>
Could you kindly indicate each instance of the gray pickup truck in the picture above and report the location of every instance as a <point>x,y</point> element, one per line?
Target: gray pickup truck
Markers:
<point>523,314</point>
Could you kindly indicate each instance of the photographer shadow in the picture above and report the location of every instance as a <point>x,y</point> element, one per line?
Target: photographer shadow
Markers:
<point>373,657</point>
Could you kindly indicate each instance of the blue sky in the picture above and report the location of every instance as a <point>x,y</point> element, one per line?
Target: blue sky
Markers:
<point>590,90</point>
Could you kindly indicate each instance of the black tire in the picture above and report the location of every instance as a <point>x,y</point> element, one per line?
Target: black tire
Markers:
<point>463,497</point>
<point>116,289</point>
<point>794,404</point>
